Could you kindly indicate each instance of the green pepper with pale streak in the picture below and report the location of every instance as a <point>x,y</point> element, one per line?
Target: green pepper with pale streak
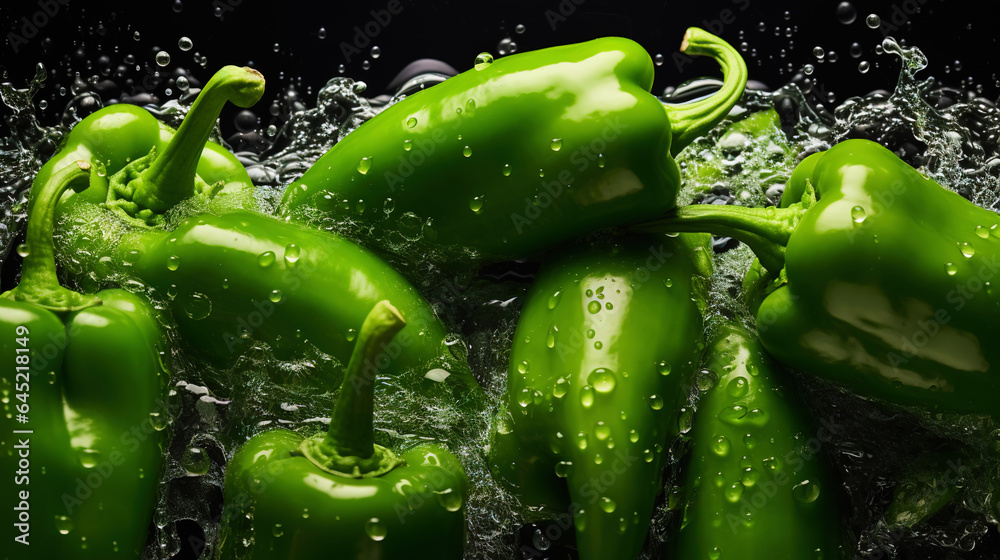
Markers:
<point>757,484</point>
<point>519,155</point>
<point>602,362</point>
<point>82,416</point>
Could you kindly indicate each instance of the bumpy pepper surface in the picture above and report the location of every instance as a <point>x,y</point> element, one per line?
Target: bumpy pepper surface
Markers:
<point>879,279</point>
<point>339,493</point>
<point>230,274</point>
<point>83,383</point>
<point>757,483</point>
<point>517,156</point>
<point>602,362</point>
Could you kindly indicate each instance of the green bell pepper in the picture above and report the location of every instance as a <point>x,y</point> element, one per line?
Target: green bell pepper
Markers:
<point>519,155</point>
<point>339,493</point>
<point>162,166</point>
<point>757,485</point>
<point>229,274</point>
<point>82,416</point>
<point>876,278</point>
<point>602,359</point>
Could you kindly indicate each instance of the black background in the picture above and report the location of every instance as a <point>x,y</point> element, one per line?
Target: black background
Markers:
<point>75,37</point>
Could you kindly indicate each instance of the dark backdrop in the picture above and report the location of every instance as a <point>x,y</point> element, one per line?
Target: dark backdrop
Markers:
<point>284,39</point>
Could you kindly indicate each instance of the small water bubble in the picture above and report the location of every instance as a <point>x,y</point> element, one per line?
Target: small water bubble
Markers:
<point>808,69</point>
<point>594,307</point>
<point>805,492</point>
<point>864,67</point>
<point>276,296</point>
<point>476,204</point>
<point>602,380</point>
<point>375,529</point>
<point>950,269</point>
<point>341,68</point>
<point>506,170</point>
<point>321,33</point>
<point>364,165</point>
<point>197,306</point>
<point>858,215</point>
<point>173,262</point>
<point>982,232</point>
<point>554,299</point>
<point>819,53</point>
<point>846,13</point>
<point>136,36</point>
<point>376,51</point>
<point>519,29</point>
<point>89,458</point>
<point>705,380</point>
<point>655,402</point>
<point>276,47</point>
<point>178,6</point>
<point>560,388</point>
<point>43,104</point>
<point>266,259</point>
<point>63,524</point>
<point>195,461</point>
<point>23,249</point>
<point>873,21</point>
<point>721,446</point>
<point>967,250</point>
<point>359,86</point>
<point>607,504</point>
<point>587,396</point>
<point>411,122</point>
<point>467,151</point>
<point>483,61</point>
<point>185,43</point>
<point>366,64</point>
<point>182,83</point>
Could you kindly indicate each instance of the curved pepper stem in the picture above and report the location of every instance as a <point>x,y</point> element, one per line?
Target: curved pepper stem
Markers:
<point>39,284</point>
<point>349,448</point>
<point>691,120</point>
<point>170,178</point>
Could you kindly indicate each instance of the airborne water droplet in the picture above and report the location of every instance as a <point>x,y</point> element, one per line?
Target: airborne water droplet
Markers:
<point>506,170</point>
<point>173,262</point>
<point>467,151</point>
<point>873,21</point>
<point>185,43</point>
<point>608,505</point>
<point>655,402</point>
<point>63,524</point>
<point>162,58</point>
<point>476,204</point>
<point>556,144</point>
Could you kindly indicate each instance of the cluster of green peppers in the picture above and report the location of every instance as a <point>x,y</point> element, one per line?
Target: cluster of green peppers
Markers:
<point>869,274</point>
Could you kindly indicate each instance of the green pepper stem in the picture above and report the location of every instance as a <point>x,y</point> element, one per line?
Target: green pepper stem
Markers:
<point>765,230</point>
<point>691,120</point>
<point>351,424</point>
<point>349,448</point>
<point>39,283</point>
<point>171,177</point>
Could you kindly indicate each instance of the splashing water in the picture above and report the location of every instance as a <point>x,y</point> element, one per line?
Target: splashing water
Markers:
<point>949,134</point>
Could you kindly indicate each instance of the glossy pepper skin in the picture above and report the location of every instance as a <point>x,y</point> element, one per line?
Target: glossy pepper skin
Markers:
<point>231,274</point>
<point>757,484</point>
<point>128,137</point>
<point>339,494</point>
<point>878,279</point>
<point>602,361</point>
<point>520,155</point>
<point>85,372</point>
